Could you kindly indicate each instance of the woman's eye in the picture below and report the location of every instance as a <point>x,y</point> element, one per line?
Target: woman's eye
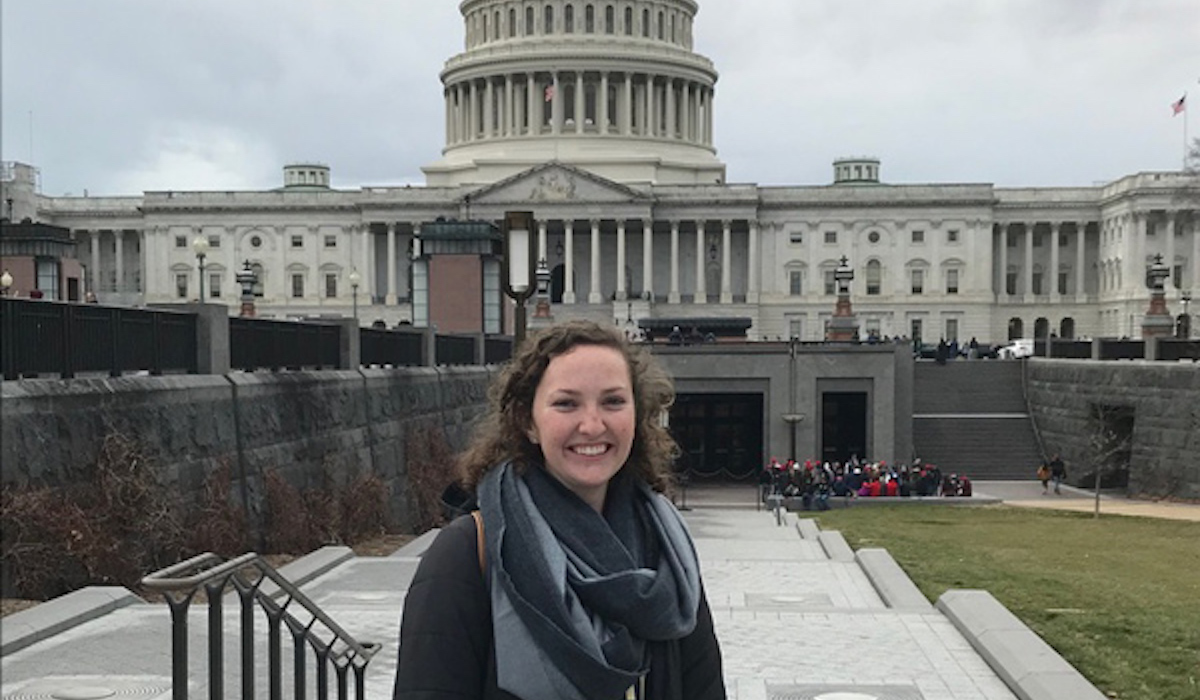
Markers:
<point>563,403</point>
<point>615,401</point>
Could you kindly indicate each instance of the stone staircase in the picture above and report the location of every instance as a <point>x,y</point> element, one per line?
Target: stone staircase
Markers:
<point>970,417</point>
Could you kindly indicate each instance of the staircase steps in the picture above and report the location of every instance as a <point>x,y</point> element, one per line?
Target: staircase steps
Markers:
<point>970,417</point>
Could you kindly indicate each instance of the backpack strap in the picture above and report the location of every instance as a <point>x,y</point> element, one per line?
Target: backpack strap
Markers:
<point>479,544</point>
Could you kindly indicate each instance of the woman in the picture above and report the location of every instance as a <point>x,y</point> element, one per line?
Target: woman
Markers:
<point>588,587</point>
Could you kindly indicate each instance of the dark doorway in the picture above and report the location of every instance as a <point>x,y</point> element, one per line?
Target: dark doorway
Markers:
<point>843,426</point>
<point>557,282</point>
<point>719,435</point>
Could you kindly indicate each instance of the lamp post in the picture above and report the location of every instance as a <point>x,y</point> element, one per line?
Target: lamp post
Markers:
<point>200,248</point>
<point>6,281</point>
<point>518,267</point>
<point>1186,298</point>
<point>355,279</point>
<point>246,278</point>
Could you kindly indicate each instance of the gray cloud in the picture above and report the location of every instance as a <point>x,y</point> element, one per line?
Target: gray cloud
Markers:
<point>131,95</point>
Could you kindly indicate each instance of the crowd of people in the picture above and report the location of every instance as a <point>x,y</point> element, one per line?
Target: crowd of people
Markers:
<point>814,482</point>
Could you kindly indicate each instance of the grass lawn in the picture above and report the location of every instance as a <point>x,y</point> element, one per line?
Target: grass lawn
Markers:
<point>1118,597</point>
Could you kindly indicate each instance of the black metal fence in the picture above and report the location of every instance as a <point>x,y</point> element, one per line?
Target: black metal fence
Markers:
<point>39,337</point>
<point>497,349</point>
<point>394,348</point>
<point>455,350</point>
<point>258,343</point>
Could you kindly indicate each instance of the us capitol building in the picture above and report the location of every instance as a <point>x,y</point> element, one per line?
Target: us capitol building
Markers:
<point>598,118</point>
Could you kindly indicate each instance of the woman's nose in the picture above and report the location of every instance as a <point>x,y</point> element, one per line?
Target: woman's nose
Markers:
<point>590,421</point>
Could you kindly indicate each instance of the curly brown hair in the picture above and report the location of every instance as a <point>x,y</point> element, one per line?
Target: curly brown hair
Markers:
<point>503,433</point>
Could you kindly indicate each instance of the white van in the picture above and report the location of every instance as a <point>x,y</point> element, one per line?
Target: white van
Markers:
<point>1015,349</point>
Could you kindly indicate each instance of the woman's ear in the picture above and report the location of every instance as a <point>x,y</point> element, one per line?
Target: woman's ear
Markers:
<point>532,434</point>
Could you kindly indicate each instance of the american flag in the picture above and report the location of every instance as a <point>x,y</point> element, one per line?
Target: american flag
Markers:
<point>1179,105</point>
<point>549,93</point>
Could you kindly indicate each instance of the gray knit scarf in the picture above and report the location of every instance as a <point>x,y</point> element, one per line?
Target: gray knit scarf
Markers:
<point>576,594</point>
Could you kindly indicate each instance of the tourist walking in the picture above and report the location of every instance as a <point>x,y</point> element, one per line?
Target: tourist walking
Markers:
<point>1043,475</point>
<point>1058,472</point>
<point>576,578</point>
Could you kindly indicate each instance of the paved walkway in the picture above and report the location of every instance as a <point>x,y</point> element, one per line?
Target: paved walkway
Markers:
<point>798,614</point>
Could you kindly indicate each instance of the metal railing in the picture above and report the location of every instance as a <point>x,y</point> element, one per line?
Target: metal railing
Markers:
<point>391,348</point>
<point>39,337</point>
<point>258,343</point>
<point>455,349</point>
<point>311,629</point>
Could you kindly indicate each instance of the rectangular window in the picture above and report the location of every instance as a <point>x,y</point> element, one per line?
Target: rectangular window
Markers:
<point>297,241</point>
<point>297,286</point>
<point>918,236</point>
<point>1010,283</point>
<point>181,241</point>
<point>1062,282</point>
<point>214,285</point>
<point>918,281</point>
<point>830,283</point>
<point>917,328</point>
<point>1063,240</point>
<point>952,281</point>
<point>952,236</point>
<point>330,286</point>
<point>1177,276</point>
<point>796,283</point>
<point>1012,240</point>
<point>47,278</point>
<point>214,241</point>
<point>181,285</point>
<point>951,329</point>
<point>1037,240</point>
<point>831,237</point>
<point>330,241</point>
<point>796,237</point>
<point>1037,282</point>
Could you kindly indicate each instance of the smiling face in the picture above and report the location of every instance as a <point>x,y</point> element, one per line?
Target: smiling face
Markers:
<point>584,419</point>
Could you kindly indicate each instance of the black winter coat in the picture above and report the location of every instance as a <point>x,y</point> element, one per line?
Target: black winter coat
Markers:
<point>446,645</point>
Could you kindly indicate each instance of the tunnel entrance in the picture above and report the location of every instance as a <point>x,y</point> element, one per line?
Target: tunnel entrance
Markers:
<point>719,435</point>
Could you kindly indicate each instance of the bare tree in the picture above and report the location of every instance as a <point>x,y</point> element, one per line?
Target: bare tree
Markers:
<point>1110,445</point>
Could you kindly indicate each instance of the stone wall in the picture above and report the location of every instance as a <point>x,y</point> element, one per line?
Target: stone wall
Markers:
<point>308,426</point>
<point>1164,397</point>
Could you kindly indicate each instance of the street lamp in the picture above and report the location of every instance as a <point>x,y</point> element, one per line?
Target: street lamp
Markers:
<point>200,248</point>
<point>1186,298</point>
<point>519,264</point>
<point>355,279</point>
<point>6,281</point>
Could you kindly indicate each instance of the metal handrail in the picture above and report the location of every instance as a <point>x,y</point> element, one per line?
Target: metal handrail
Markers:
<point>211,573</point>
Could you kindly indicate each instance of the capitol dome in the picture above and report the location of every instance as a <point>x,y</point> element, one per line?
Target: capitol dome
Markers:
<point>611,87</point>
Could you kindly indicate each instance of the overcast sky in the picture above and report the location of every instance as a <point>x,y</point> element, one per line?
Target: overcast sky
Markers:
<point>123,96</point>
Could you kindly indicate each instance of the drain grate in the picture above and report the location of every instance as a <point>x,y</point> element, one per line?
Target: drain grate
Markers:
<point>843,692</point>
<point>91,688</point>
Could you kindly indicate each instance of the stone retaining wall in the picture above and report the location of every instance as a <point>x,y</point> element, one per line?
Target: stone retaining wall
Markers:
<point>307,425</point>
<point>1165,398</point>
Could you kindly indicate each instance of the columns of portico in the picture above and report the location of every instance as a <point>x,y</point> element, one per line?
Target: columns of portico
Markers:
<point>556,110</point>
<point>673,293</point>
<point>685,121</point>
<point>569,262</point>
<point>1172,220</point>
<point>509,106</point>
<point>594,293</point>
<point>579,103</point>
<point>651,113</point>
<point>726,262</point>
<point>366,269</point>
<point>1003,291</point>
<point>93,284</point>
<point>532,120</point>
<point>1055,227</point>
<point>602,121</point>
<point>1141,232</point>
<point>119,262</point>
<point>489,110</point>
<point>1028,276</point>
<point>622,293</point>
<point>391,263</point>
<point>449,115</point>
<point>627,107</point>
<point>1081,234</point>
<point>701,295</point>
<point>753,284</point>
<point>472,116</point>
<point>669,89</point>
<point>541,249</point>
<point>648,256</point>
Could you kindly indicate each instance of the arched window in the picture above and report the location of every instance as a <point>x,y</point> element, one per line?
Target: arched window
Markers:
<point>483,34</point>
<point>512,22</point>
<point>1041,328</point>
<point>628,21</point>
<point>874,278</point>
<point>569,19</point>
<point>589,19</point>
<point>496,26</point>
<point>1067,328</point>
<point>548,20</point>
<point>610,18</point>
<point>672,27</point>
<point>1016,328</point>
<point>660,26</point>
<point>646,23</point>
<point>529,21</point>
